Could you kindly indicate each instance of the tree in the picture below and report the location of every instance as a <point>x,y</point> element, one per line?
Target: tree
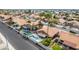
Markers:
<point>55,21</point>
<point>66,14</point>
<point>10,21</point>
<point>41,14</point>
<point>29,21</point>
<point>47,15</point>
<point>27,12</point>
<point>40,25</point>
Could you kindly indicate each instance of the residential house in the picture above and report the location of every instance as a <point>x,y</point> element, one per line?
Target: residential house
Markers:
<point>20,21</point>
<point>69,39</point>
<point>51,31</point>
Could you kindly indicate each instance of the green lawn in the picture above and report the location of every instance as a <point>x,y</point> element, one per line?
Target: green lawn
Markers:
<point>56,47</point>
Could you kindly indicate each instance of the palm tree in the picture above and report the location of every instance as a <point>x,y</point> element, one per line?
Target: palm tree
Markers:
<point>40,25</point>
<point>47,15</point>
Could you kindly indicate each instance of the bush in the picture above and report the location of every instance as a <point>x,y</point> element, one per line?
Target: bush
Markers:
<point>46,41</point>
<point>56,47</point>
<point>34,28</point>
<point>10,23</point>
<point>55,21</point>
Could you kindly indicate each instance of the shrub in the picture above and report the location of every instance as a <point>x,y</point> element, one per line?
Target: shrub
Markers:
<point>56,47</point>
<point>46,41</point>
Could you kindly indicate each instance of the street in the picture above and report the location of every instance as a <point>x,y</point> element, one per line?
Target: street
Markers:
<point>16,40</point>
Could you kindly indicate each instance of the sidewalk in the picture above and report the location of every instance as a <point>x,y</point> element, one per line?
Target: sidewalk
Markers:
<point>4,44</point>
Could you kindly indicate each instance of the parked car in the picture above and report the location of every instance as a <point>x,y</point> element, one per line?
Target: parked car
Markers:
<point>25,33</point>
<point>16,27</point>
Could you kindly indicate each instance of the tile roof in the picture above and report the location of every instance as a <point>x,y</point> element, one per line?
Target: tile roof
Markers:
<point>51,32</point>
<point>6,16</point>
<point>69,39</point>
<point>20,21</point>
<point>35,23</point>
<point>61,21</point>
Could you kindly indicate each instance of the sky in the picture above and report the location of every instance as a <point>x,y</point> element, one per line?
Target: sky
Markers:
<point>39,4</point>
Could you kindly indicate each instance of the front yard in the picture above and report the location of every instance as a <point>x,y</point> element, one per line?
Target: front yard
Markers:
<point>56,46</point>
<point>48,42</point>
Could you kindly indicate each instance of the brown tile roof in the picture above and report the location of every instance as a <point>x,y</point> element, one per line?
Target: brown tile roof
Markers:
<point>51,32</point>
<point>35,16</point>
<point>69,39</point>
<point>19,21</point>
<point>61,21</point>
<point>35,23</point>
<point>6,16</point>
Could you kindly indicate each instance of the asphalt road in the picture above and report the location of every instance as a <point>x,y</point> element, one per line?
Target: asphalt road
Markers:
<point>16,40</point>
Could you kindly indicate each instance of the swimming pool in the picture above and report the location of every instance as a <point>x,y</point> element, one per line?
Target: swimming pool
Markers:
<point>35,38</point>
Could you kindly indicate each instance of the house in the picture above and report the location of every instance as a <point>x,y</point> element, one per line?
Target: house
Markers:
<point>35,23</point>
<point>69,39</point>
<point>19,21</point>
<point>62,21</point>
<point>34,16</point>
<point>6,16</point>
<point>51,31</point>
<point>42,34</point>
<point>74,24</point>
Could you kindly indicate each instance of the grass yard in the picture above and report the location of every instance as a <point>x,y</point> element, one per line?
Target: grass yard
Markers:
<point>56,47</point>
